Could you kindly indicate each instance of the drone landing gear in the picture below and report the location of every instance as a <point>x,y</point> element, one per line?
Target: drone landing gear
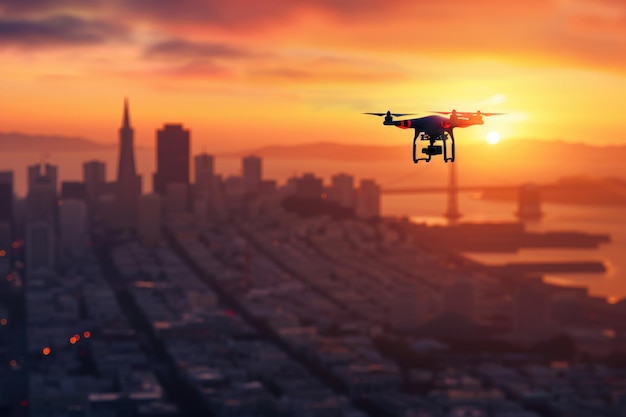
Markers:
<point>433,149</point>
<point>444,137</point>
<point>421,136</point>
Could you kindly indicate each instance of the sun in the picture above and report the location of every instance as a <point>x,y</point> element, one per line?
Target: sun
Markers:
<point>493,138</point>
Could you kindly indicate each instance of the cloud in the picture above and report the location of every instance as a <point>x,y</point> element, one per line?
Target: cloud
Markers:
<point>57,30</point>
<point>181,48</point>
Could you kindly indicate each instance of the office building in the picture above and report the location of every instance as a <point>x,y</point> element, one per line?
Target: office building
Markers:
<point>205,176</point>
<point>149,219</point>
<point>342,191</point>
<point>50,173</point>
<point>368,200</point>
<point>41,201</point>
<point>173,144</point>
<point>40,248</point>
<point>6,196</point>
<point>94,176</point>
<point>177,198</point>
<point>6,251</point>
<point>252,173</point>
<point>73,190</point>
<point>128,182</point>
<point>73,227</point>
<point>309,187</point>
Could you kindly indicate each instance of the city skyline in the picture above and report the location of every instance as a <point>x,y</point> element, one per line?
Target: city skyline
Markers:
<point>303,71</point>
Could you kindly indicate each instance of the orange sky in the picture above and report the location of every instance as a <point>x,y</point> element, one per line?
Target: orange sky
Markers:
<point>245,73</point>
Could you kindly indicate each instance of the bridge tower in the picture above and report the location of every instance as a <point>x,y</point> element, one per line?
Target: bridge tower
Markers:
<point>452,211</point>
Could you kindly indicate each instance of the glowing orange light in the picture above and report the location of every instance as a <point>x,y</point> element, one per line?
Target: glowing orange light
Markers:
<point>77,337</point>
<point>87,334</point>
<point>73,340</point>
<point>3,321</point>
<point>46,351</point>
<point>3,253</point>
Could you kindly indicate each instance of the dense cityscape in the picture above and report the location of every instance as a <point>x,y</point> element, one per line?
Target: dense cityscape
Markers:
<point>238,296</point>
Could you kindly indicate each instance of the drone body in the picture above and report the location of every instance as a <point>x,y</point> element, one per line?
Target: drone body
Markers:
<point>435,128</point>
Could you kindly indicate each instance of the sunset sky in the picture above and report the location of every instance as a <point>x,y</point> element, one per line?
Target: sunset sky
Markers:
<point>245,73</point>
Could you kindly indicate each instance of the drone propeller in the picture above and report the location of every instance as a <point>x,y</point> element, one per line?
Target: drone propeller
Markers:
<point>391,114</point>
<point>462,113</point>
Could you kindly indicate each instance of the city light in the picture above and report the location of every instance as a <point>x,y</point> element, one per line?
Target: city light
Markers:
<point>3,253</point>
<point>46,351</point>
<point>73,340</point>
<point>86,334</point>
<point>3,321</point>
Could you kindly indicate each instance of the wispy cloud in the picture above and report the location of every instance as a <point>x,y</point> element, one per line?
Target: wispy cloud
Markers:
<point>57,30</point>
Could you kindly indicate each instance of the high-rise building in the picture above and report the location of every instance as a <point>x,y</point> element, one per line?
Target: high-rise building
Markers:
<point>177,198</point>
<point>94,176</point>
<point>41,201</point>
<point>50,173</point>
<point>6,251</point>
<point>309,187</point>
<point>149,221</point>
<point>205,176</point>
<point>252,173</point>
<point>73,190</point>
<point>342,191</point>
<point>6,196</point>
<point>73,226</point>
<point>368,200</point>
<point>128,182</point>
<point>172,157</point>
<point>40,248</point>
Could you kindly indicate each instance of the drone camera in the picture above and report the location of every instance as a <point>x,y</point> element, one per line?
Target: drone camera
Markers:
<point>433,150</point>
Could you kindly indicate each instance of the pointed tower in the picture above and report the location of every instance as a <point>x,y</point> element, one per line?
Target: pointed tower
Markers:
<point>128,182</point>
<point>126,169</point>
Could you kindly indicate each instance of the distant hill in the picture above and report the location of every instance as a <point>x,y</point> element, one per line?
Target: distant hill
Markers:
<point>22,142</point>
<point>527,151</point>
<point>326,150</point>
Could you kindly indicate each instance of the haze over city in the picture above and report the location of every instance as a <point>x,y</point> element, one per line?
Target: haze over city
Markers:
<point>197,217</point>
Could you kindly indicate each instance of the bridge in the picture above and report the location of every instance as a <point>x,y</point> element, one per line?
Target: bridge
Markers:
<point>445,189</point>
<point>475,188</point>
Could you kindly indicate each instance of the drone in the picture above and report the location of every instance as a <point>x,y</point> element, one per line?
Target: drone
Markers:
<point>434,128</point>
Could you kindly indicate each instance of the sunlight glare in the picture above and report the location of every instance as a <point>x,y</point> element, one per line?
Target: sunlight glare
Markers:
<point>493,138</point>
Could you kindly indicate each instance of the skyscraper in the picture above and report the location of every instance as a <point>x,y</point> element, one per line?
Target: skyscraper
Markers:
<point>342,191</point>
<point>40,248</point>
<point>6,196</point>
<point>252,173</point>
<point>368,200</point>
<point>50,173</point>
<point>172,157</point>
<point>94,176</point>
<point>75,190</point>
<point>204,175</point>
<point>41,201</point>
<point>73,225</point>
<point>128,182</point>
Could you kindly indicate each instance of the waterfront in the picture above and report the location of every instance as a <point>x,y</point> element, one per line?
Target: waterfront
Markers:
<point>557,217</point>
